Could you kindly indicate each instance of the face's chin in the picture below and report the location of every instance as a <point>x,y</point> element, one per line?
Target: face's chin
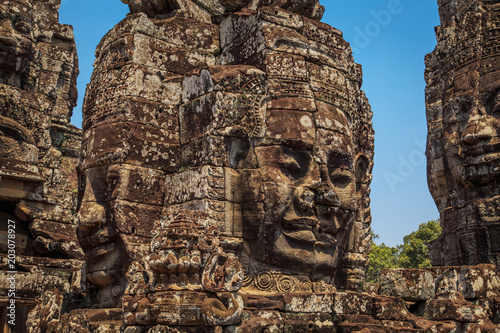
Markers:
<point>104,269</point>
<point>308,245</point>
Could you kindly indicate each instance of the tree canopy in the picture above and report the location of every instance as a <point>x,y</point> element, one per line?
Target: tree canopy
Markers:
<point>413,253</point>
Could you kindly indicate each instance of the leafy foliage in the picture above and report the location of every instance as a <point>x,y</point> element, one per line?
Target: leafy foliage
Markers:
<point>381,257</point>
<point>412,254</point>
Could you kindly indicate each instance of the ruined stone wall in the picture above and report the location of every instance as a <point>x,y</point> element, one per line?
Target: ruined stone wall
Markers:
<point>38,150</point>
<point>462,99</point>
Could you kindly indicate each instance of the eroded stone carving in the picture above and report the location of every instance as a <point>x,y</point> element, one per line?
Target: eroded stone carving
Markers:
<point>253,122</point>
<point>224,186</point>
<point>187,277</point>
<point>38,151</point>
<point>463,142</point>
<point>255,126</point>
<point>203,9</point>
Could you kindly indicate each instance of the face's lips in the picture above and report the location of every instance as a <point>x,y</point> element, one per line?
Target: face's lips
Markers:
<point>320,227</point>
<point>299,229</point>
<point>480,154</point>
<point>480,149</point>
<point>105,258</point>
<point>101,251</point>
<point>304,236</point>
<point>299,223</point>
<point>491,157</point>
<point>88,241</point>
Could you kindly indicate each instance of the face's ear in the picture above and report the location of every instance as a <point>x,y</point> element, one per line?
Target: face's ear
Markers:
<point>239,148</point>
<point>361,172</point>
<point>240,153</point>
<point>82,183</point>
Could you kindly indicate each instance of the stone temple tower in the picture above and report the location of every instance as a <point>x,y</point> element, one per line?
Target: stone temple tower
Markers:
<point>463,149</point>
<point>241,117</point>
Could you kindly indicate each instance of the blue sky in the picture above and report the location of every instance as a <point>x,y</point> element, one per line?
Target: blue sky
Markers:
<point>390,39</point>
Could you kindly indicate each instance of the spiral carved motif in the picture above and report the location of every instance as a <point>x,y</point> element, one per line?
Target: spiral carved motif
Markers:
<point>305,287</point>
<point>247,281</point>
<point>286,284</point>
<point>321,287</point>
<point>265,282</point>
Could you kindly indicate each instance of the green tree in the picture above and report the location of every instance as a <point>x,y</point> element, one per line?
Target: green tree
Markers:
<point>381,257</point>
<point>414,252</point>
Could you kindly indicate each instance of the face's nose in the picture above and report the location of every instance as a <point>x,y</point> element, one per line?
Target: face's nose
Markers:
<point>326,194</point>
<point>91,216</point>
<point>315,189</point>
<point>304,200</point>
<point>478,128</point>
<point>304,195</point>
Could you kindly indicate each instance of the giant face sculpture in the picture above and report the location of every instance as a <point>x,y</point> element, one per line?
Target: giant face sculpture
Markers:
<point>106,258</point>
<point>463,143</point>
<point>471,124</point>
<point>312,163</point>
<point>120,203</point>
<point>309,200</point>
<point>480,143</point>
<point>274,148</point>
<point>295,168</point>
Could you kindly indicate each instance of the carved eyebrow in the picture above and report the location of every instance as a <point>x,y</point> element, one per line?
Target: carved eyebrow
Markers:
<point>113,174</point>
<point>339,159</point>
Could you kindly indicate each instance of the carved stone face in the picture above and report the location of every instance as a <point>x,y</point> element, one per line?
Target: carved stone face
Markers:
<point>98,234</point>
<point>471,135</point>
<point>309,196</point>
<point>16,38</point>
<point>118,204</point>
<point>480,142</point>
<point>463,146</point>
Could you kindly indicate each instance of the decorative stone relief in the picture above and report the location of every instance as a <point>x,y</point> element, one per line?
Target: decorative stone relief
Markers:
<point>462,149</point>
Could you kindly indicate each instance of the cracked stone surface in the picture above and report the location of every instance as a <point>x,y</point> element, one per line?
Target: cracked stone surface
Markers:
<point>38,153</point>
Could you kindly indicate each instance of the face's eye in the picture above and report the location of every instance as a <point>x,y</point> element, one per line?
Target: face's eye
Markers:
<point>294,162</point>
<point>340,166</point>
<point>495,105</point>
<point>341,178</point>
<point>288,164</point>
